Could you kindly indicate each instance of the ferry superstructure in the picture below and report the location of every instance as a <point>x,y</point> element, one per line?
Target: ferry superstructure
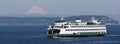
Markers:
<point>62,28</point>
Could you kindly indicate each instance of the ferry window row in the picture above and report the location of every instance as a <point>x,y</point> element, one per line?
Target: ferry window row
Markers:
<point>82,29</point>
<point>57,26</point>
<point>93,33</point>
<point>60,26</point>
<point>87,26</point>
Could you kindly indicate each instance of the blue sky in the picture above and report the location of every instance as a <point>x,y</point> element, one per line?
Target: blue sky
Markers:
<point>60,7</point>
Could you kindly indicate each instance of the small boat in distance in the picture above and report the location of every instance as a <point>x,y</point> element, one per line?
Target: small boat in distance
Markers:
<point>62,28</point>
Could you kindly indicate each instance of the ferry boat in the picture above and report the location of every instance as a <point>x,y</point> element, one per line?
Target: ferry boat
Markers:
<point>62,28</point>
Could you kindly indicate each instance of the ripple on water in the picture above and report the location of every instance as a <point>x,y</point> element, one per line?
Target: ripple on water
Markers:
<point>114,35</point>
<point>105,42</point>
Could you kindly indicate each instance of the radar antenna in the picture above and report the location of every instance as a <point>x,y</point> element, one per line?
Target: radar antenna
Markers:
<point>62,18</point>
<point>93,18</point>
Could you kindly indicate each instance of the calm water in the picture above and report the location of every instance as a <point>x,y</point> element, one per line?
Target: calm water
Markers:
<point>37,35</point>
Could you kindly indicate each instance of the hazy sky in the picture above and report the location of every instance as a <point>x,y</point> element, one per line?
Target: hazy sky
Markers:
<point>60,7</point>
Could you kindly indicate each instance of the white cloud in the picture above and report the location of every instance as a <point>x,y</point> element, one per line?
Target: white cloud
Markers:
<point>35,10</point>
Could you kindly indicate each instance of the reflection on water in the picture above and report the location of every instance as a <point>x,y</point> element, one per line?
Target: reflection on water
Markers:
<point>113,35</point>
<point>108,39</point>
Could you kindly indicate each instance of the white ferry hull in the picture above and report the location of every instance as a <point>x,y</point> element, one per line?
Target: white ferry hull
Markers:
<point>71,33</point>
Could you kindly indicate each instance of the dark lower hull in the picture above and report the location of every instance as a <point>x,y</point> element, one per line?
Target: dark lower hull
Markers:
<point>83,34</point>
<point>77,35</point>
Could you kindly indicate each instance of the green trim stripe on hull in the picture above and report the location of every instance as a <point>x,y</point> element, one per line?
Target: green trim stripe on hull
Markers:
<point>82,34</point>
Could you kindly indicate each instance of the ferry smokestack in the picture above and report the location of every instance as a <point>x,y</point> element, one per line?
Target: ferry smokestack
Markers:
<point>78,20</point>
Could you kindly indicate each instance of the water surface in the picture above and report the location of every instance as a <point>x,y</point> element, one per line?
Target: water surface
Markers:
<point>37,35</point>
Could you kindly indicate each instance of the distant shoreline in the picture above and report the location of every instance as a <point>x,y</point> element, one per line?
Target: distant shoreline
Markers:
<point>40,25</point>
<point>49,20</point>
